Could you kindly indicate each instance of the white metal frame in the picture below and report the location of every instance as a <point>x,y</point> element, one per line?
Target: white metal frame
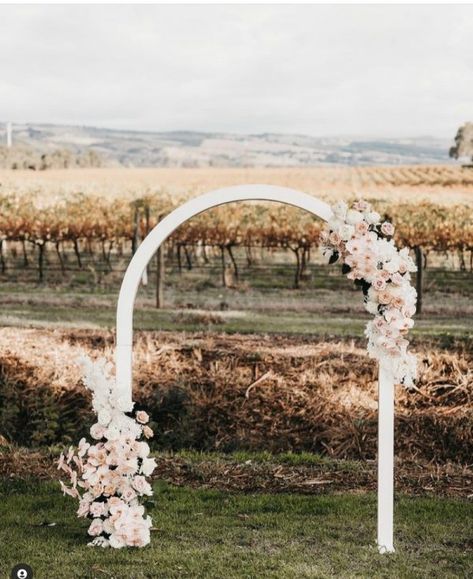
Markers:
<point>129,288</point>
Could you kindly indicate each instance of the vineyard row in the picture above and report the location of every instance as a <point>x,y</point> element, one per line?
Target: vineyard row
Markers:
<point>87,223</point>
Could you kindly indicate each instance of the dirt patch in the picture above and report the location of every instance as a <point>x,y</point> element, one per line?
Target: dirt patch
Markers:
<point>413,478</point>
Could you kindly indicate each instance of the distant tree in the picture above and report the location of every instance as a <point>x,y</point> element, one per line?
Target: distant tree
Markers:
<point>463,142</point>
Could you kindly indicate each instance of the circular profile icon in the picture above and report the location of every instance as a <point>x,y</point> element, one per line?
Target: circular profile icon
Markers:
<point>21,571</point>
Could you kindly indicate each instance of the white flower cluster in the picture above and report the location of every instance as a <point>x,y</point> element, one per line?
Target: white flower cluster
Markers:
<point>357,237</point>
<point>111,474</point>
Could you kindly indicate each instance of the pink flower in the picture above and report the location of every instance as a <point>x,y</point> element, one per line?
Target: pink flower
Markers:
<point>335,239</point>
<point>387,228</point>
<point>379,284</point>
<point>95,528</point>
<point>67,491</point>
<point>141,485</point>
<point>354,274</point>
<point>97,456</point>
<point>148,433</point>
<point>142,417</point>
<point>384,297</point>
<point>354,246</point>
<point>361,227</point>
<point>408,311</point>
<point>361,205</point>
<point>128,466</point>
<point>83,509</point>
<point>70,454</point>
<point>128,494</point>
<point>114,503</point>
<point>97,509</point>
<point>397,279</point>
<point>97,431</point>
<point>397,302</point>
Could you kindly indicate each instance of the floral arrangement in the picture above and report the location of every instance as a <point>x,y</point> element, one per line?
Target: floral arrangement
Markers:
<point>109,476</point>
<point>364,245</point>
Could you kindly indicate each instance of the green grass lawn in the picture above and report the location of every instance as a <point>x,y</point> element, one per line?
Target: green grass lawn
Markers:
<point>207,533</point>
<point>88,314</point>
<point>326,304</point>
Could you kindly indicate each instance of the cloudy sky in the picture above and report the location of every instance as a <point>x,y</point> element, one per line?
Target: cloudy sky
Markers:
<point>319,70</point>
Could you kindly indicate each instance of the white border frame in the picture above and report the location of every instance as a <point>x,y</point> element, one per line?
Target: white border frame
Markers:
<point>126,302</point>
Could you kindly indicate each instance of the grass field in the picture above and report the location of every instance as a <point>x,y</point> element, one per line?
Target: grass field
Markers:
<point>327,304</point>
<point>212,534</point>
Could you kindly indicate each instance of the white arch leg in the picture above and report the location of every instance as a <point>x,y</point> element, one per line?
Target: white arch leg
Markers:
<point>385,460</point>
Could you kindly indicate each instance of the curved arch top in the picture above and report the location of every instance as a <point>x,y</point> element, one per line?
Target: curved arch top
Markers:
<point>131,280</point>
<point>126,302</point>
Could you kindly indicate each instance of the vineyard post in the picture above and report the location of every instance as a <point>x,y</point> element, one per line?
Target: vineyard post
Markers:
<point>2,258</point>
<point>41,248</point>
<point>160,274</point>
<point>77,252</point>
<point>223,264</point>
<point>25,253</point>
<point>144,279</point>
<point>419,277</point>
<point>136,222</point>
<point>233,260</point>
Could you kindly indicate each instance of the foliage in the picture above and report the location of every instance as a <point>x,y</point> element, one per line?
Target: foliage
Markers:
<point>463,142</point>
<point>18,158</point>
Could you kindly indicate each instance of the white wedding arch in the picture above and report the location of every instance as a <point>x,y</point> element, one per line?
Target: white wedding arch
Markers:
<point>131,282</point>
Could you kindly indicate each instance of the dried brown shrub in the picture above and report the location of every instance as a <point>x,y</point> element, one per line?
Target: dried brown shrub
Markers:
<point>211,391</point>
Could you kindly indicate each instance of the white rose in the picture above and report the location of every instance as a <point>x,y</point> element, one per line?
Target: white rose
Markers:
<point>124,404</point>
<point>112,433</point>
<point>346,232</point>
<point>143,449</point>
<point>354,217</point>
<point>371,307</point>
<point>116,542</point>
<point>340,210</point>
<point>373,217</point>
<point>148,465</point>
<point>104,417</point>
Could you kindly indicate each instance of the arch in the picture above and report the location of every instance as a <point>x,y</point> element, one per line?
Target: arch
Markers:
<point>131,282</point>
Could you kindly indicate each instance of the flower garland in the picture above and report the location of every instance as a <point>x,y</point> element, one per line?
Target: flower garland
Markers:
<point>357,237</point>
<point>111,473</point>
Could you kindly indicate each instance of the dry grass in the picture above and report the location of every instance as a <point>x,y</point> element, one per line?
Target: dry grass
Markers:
<point>256,392</point>
<point>444,184</point>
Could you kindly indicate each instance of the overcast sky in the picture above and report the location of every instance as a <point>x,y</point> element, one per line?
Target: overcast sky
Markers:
<point>319,70</point>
